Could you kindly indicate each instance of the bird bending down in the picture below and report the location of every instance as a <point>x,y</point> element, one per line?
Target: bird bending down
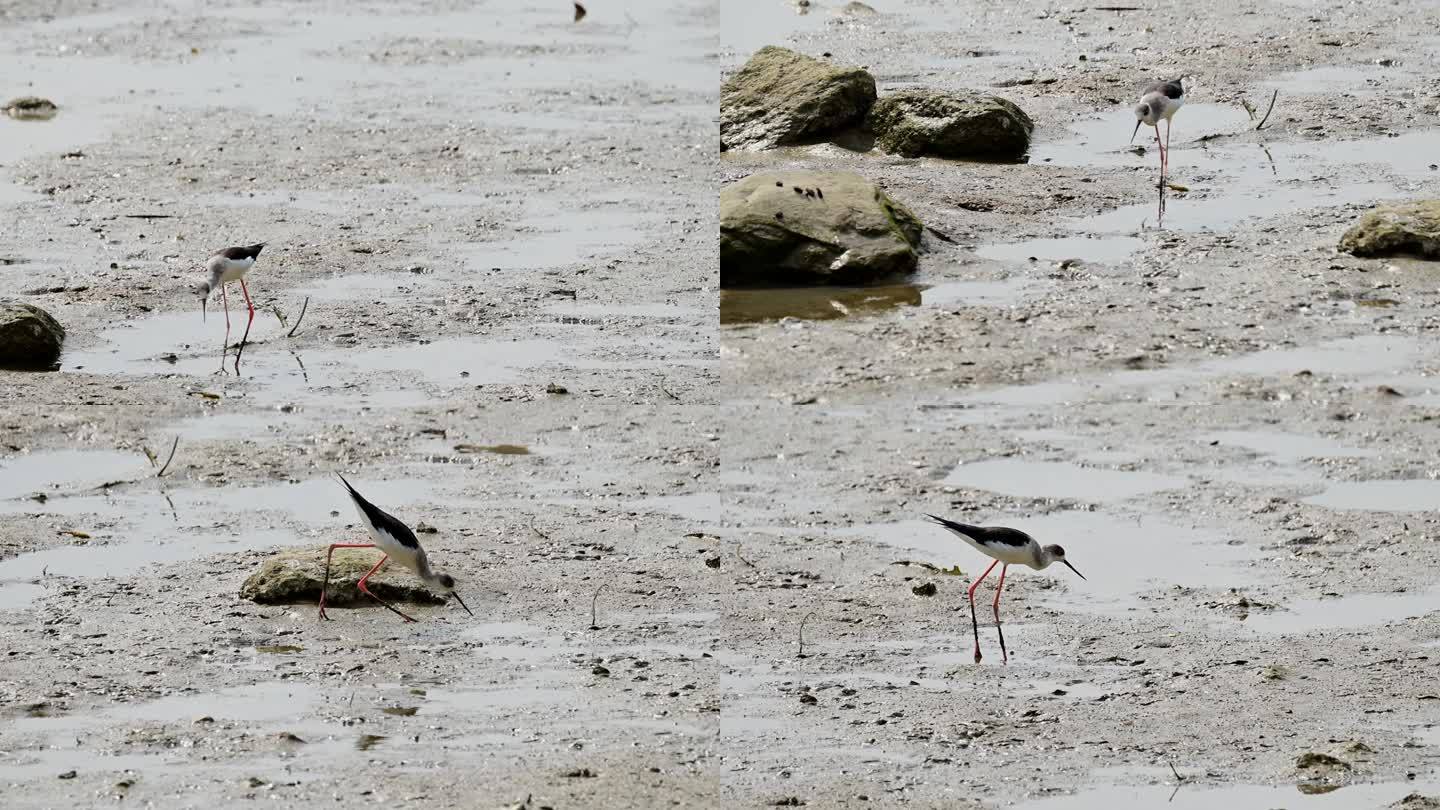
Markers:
<point>397,541</point>
<point>1159,100</point>
<point>1006,547</point>
<point>225,266</point>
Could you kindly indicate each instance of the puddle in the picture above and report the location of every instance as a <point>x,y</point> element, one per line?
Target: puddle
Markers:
<point>749,25</point>
<point>1288,447</point>
<point>1234,182</point>
<point>497,449</point>
<point>555,240</point>
<point>702,507</point>
<point>180,343</point>
<point>978,293</point>
<point>1105,140</point>
<point>813,303</point>
<point>58,470</point>
<point>1234,797</point>
<point>1413,495</point>
<point>259,703</point>
<point>125,558</point>
<point>1328,79</point>
<point>1346,612</point>
<point>19,595</point>
<point>1373,356</point>
<point>1056,479</point>
<point>1112,550</point>
<point>1087,249</point>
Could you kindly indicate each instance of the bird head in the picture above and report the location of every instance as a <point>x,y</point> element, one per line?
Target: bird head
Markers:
<point>1057,554</point>
<point>447,584</point>
<point>203,290</point>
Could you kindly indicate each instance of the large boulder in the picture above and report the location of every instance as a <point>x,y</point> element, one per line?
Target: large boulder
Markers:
<point>29,337</point>
<point>782,97</point>
<point>807,227</point>
<point>1400,229</point>
<point>296,575</point>
<point>944,124</point>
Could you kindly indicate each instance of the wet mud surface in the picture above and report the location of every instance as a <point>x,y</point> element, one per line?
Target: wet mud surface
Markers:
<point>1227,425</point>
<point>504,226</point>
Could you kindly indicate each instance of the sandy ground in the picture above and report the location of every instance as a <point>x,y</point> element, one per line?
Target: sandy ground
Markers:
<point>505,227</point>
<point>1228,426</point>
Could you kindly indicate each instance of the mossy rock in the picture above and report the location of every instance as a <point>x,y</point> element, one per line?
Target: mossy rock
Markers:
<point>295,576</point>
<point>960,124</point>
<point>1399,229</point>
<point>806,227</point>
<point>30,338</point>
<point>782,97</point>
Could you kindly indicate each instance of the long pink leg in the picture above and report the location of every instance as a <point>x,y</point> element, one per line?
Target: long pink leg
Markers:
<point>1004,656</point>
<point>367,592</point>
<point>251,305</point>
<point>974,623</point>
<point>326,586</point>
<point>226,300</point>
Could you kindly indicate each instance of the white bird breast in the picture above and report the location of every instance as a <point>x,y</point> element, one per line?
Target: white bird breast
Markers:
<point>233,269</point>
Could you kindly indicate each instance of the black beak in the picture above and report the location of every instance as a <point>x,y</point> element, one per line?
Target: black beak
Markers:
<point>1072,568</point>
<point>467,607</point>
<point>1132,140</point>
<point>204,305</point>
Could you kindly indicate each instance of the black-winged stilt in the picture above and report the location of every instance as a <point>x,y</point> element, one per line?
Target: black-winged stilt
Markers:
<point>396,540</point>
<point>225,266</point>
<point>1160,100</point>
<point>1006,547</point>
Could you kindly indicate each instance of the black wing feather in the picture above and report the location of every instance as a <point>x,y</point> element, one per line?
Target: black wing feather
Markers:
<point>1170,89</point>
<point>988,535</point>
<point>240,254</point>
<point>381,519</point>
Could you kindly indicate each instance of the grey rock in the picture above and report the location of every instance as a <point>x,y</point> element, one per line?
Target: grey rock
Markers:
<point>29,337</point>
<point>961,124</point>
<point>782,97</point>
<point>1399,229</point>
<point>296,575</point>
<point>807,227</point>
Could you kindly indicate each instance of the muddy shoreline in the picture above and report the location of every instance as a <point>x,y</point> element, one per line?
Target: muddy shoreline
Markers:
<point>1227,417</point>
<point>494,254</point>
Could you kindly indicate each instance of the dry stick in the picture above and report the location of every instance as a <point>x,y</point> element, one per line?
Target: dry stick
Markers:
<point>742,556</point>
<point>303,307</point>
<point>543,536</point>
<point>279,316</point>
<point>173,445</point>
<point>593,600</point>
<point>801,654</point>
<point>1268,110</point>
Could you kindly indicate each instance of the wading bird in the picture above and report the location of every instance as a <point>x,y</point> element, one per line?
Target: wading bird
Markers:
<point>1159,101</point>
<point>1006,547</point>
<point>230,264</point>
<point>397,541</point>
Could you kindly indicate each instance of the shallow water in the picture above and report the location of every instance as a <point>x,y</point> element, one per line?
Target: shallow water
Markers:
<point>1056,479</point>
<point>1120,554</point>
<point>1091,250</point>
<point>51,471</point>
<point>1234,797</point>
<point>1346,612</point>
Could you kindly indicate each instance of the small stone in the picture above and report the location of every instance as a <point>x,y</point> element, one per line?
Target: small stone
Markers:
<point>68,775</point>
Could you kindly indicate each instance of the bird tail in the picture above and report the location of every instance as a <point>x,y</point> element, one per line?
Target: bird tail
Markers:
<point>960,528</point>
<point>353,493</point>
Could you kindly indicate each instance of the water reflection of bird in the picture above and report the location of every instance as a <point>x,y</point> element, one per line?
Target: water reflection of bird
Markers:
<point>1159,101</point>
<point>397,541</point>
<point>1006,547</point>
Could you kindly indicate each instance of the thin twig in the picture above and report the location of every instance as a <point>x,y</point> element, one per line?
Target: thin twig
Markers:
<point>279,316</point>
<point>593,624</point>
<point>1178,777</point>
<point>742,556</point>
<point>543,535</point>
<point>300,318</point>
<point>802,633</point>
<point>150,454</point>
<point>1268,110</point>
<point>173,445</point>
